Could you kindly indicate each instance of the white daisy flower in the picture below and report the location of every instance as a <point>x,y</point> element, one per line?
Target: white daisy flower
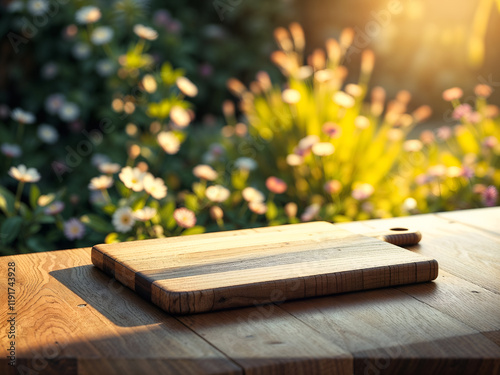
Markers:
<point>108,168</point>
<point>22,117</point>
<point>37,7</point>
<point>344,100</point>
<point>123,219</point>
<point>307,142</point>
<point>69,112</point>
<point>187,87</point>
<point>81,51</point>
<point>54,102</point>
<point>101,182</point>
<point>11,150</point>
<point>145,214</point>
<point>205,172</point>
<point>245,163</point>
<point>410,204</point>
<point>74,229</point>
<point>44,200</point>
<point>184,217</point>
<point>47,133</point>
<point>290,96</point>
<point>145,32</point>
<point>258,208</point>
<point>154,186</point>
<point>323,149</point>
<point>180,116</point>
<point>105,67</point>
<point>217,193</point>
<point>23,174</point>
<point>294,160</point>
<point>132,178</point>
<point>88,14</point>
<point>102,35</point>
<point>169,142</point>
<point>362,191</point>
<point>54,208</point>
<point>251,194</point>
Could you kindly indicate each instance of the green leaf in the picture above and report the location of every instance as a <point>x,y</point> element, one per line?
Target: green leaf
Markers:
<point>10,229</point>
<point>46,219</point>
<point>272,211</point>
<point>341,219</point>
<point>112,237</point>
<point>199,189</point>
<point>34,228</point>
<point>166,212</point>
<point>139,204</point>
<point>122,189</point>
<point>198,229</point>
<point>34,195</point>
<point>39,244</point>
<point>109,209</point>
<point>7,200</point>
<point>97,223</point>
<point>191,202</point>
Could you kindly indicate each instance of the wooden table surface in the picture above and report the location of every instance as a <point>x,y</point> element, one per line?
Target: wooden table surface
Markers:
<point>73,319</point>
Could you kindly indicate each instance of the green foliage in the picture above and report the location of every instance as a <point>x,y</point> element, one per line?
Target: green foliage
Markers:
<point>103,149</point>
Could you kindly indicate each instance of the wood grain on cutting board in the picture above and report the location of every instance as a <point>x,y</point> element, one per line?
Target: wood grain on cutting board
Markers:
<point>247,267</point>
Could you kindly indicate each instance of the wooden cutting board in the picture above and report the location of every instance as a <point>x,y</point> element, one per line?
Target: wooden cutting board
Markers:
<point>206,272</point>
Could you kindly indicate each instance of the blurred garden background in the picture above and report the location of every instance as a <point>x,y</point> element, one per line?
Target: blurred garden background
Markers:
<point>133,119</point>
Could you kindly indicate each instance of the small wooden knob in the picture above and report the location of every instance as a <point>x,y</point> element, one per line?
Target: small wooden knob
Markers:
<point>399,236</point>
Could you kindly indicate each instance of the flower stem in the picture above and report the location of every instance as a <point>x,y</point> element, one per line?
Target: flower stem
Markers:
<point>106,195</point>
<point>20,132</point>
<point>17,204</point>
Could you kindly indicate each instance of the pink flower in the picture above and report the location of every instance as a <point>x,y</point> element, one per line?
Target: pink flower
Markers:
<point>54,208</point>
<point>291,209</point>
<point>362,191</point>
<point>490,142</point>
<point>184,217</point>
<point>332,186</point>
<point>331,129</point>
<point>462,111</point>
<point>467,172</point>
<point>310,212</point>
<point>257,207</point>
<point>444,133</point>
<point>454,93</point>
<point>489,196</point>
<point>74,229</point>
<point>276,185</point>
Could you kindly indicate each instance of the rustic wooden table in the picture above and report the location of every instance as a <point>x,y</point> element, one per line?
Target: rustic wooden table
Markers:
<point>73,319</point>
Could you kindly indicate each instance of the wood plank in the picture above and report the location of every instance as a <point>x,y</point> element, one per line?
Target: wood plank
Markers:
<point>267,340</point>
<point>72,317</point>
<point>471,304</point>
<point>464,251</point>
<point>484,218</point>
<point>206,273</point>
<point>475,306</point>
<point>390,332</point>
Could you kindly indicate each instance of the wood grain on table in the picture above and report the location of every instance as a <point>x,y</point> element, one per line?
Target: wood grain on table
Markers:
<point>73,319</point>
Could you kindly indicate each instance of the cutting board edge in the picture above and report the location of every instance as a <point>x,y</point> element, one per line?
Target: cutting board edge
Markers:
<point>181,302</point>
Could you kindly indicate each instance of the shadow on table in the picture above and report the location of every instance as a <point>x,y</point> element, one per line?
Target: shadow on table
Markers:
<point>124,307</point>
<point>108,296</point>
